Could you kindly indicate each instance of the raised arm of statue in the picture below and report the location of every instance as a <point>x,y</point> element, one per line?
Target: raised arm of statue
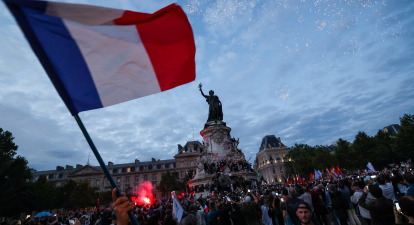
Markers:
<point>199,87</point>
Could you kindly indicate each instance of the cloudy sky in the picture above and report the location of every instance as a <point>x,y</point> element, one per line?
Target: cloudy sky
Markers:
<point>306,71</point>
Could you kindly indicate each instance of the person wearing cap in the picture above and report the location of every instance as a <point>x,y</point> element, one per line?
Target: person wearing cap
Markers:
<point>304,214</point>
<point>250,208</point>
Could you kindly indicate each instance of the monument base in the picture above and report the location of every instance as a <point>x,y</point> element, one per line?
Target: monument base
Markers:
<point>205,180</point>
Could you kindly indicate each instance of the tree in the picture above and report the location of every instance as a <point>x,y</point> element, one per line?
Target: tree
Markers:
<point>403,144</point>
<point>13,175</point>
<point>170,182</point>
<point>83,195</point>
<point>346,156</point>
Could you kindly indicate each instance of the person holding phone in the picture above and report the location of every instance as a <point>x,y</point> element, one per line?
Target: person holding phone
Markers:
<point>404,207</point>
<point>381,209</point>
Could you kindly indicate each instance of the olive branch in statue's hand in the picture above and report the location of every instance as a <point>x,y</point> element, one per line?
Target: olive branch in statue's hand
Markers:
<point>199,86</point>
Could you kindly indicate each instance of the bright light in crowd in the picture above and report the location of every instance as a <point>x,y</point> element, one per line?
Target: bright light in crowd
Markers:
<point>144,193</point>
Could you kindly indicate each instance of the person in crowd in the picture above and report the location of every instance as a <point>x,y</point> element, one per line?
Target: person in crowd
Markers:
<point>338,204</point>
<point>387,188</point>
<point>380,209</point>
<point>250,209</point>
<point>400,186</point>
<point>224,213</point>
<point>266,220</point>
<point>212,214</point>
<point>355,198</point>
<point>304,214</point>
<point>237,215</point>
<point>201,215</point>
<point>307,197</point>
<point>406,204</point>
<point>319,209</point>
<point>346,195</point>
<point>289,210</point>
<point>191,218</point>
<point>409,180</point>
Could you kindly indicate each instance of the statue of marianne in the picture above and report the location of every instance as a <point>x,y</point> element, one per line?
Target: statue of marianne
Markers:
<point>215,111</point>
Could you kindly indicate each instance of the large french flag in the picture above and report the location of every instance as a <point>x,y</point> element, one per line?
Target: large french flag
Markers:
<point>97,57</point>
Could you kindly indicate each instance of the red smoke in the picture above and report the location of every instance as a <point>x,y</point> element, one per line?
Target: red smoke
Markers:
<point>144,193</point>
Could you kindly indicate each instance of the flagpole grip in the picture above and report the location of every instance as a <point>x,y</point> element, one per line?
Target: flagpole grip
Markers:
<point>102,164</point>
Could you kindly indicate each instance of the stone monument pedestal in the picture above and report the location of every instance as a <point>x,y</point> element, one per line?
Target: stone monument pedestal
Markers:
<point>218,146</point>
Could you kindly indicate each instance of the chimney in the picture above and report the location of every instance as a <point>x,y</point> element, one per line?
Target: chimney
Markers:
<point>59,168</point>
<point>69,167</point>
<point>78,166</point>
<point>137,161</point>
<point>110,164</point>
<point>153,160</point>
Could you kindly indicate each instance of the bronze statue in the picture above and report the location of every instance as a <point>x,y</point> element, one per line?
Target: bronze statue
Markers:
<point>215,111</point>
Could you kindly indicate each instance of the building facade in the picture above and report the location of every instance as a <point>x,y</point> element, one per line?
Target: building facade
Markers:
<point>270,159</point>
<point>127,175</point>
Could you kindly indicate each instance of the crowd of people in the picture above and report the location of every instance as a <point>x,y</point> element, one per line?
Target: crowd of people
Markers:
<point>385,198</point>
<point>234,166</point>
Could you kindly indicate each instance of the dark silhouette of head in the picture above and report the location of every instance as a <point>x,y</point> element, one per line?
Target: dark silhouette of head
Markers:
<point>211,92</point>
<point>376,191</point>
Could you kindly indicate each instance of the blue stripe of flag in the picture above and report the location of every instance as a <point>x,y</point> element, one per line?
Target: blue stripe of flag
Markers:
<point>59,54</point>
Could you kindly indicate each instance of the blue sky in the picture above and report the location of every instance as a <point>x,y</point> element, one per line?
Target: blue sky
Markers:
<point>306,71</point>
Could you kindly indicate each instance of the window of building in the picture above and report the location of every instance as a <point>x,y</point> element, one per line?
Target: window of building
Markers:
<point>159,166</point>
<point>167,166</point>
<point>115,171</point>
<point>123,170</point>
<point>182,174</point>
<point>127,179</point>
<point>274,171</point>
<point>128,170</point>
<point>141,168</point>
<point>150,167</point>
<point>98,183</point>
<point>118,180</point>
<point>136,179</point>
<point>154,177</point>
<point>132,169</point>
<point>181,164</point>
<point>60,175</point>
<point>145,178</point>
<point>281,169</point>
<point>191,163</point>
<point>173,165</point>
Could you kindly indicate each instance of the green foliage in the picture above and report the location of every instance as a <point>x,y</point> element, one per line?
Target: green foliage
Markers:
<point>307,158</point>
<point>13,175</point>
<point>403,143</point>
<point>381,150</point>
<point>170,182</point>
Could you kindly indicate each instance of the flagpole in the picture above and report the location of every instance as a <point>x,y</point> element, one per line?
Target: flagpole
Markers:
<point>102,164</point>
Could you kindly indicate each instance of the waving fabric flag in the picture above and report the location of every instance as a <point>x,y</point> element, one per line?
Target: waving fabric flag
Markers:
<point>97,57</point>
<point>370,167</point>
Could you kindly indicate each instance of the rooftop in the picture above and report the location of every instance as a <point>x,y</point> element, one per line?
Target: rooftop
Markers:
<point>270,141</point>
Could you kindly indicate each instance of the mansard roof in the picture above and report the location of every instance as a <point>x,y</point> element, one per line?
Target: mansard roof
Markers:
<point>270,141</point>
